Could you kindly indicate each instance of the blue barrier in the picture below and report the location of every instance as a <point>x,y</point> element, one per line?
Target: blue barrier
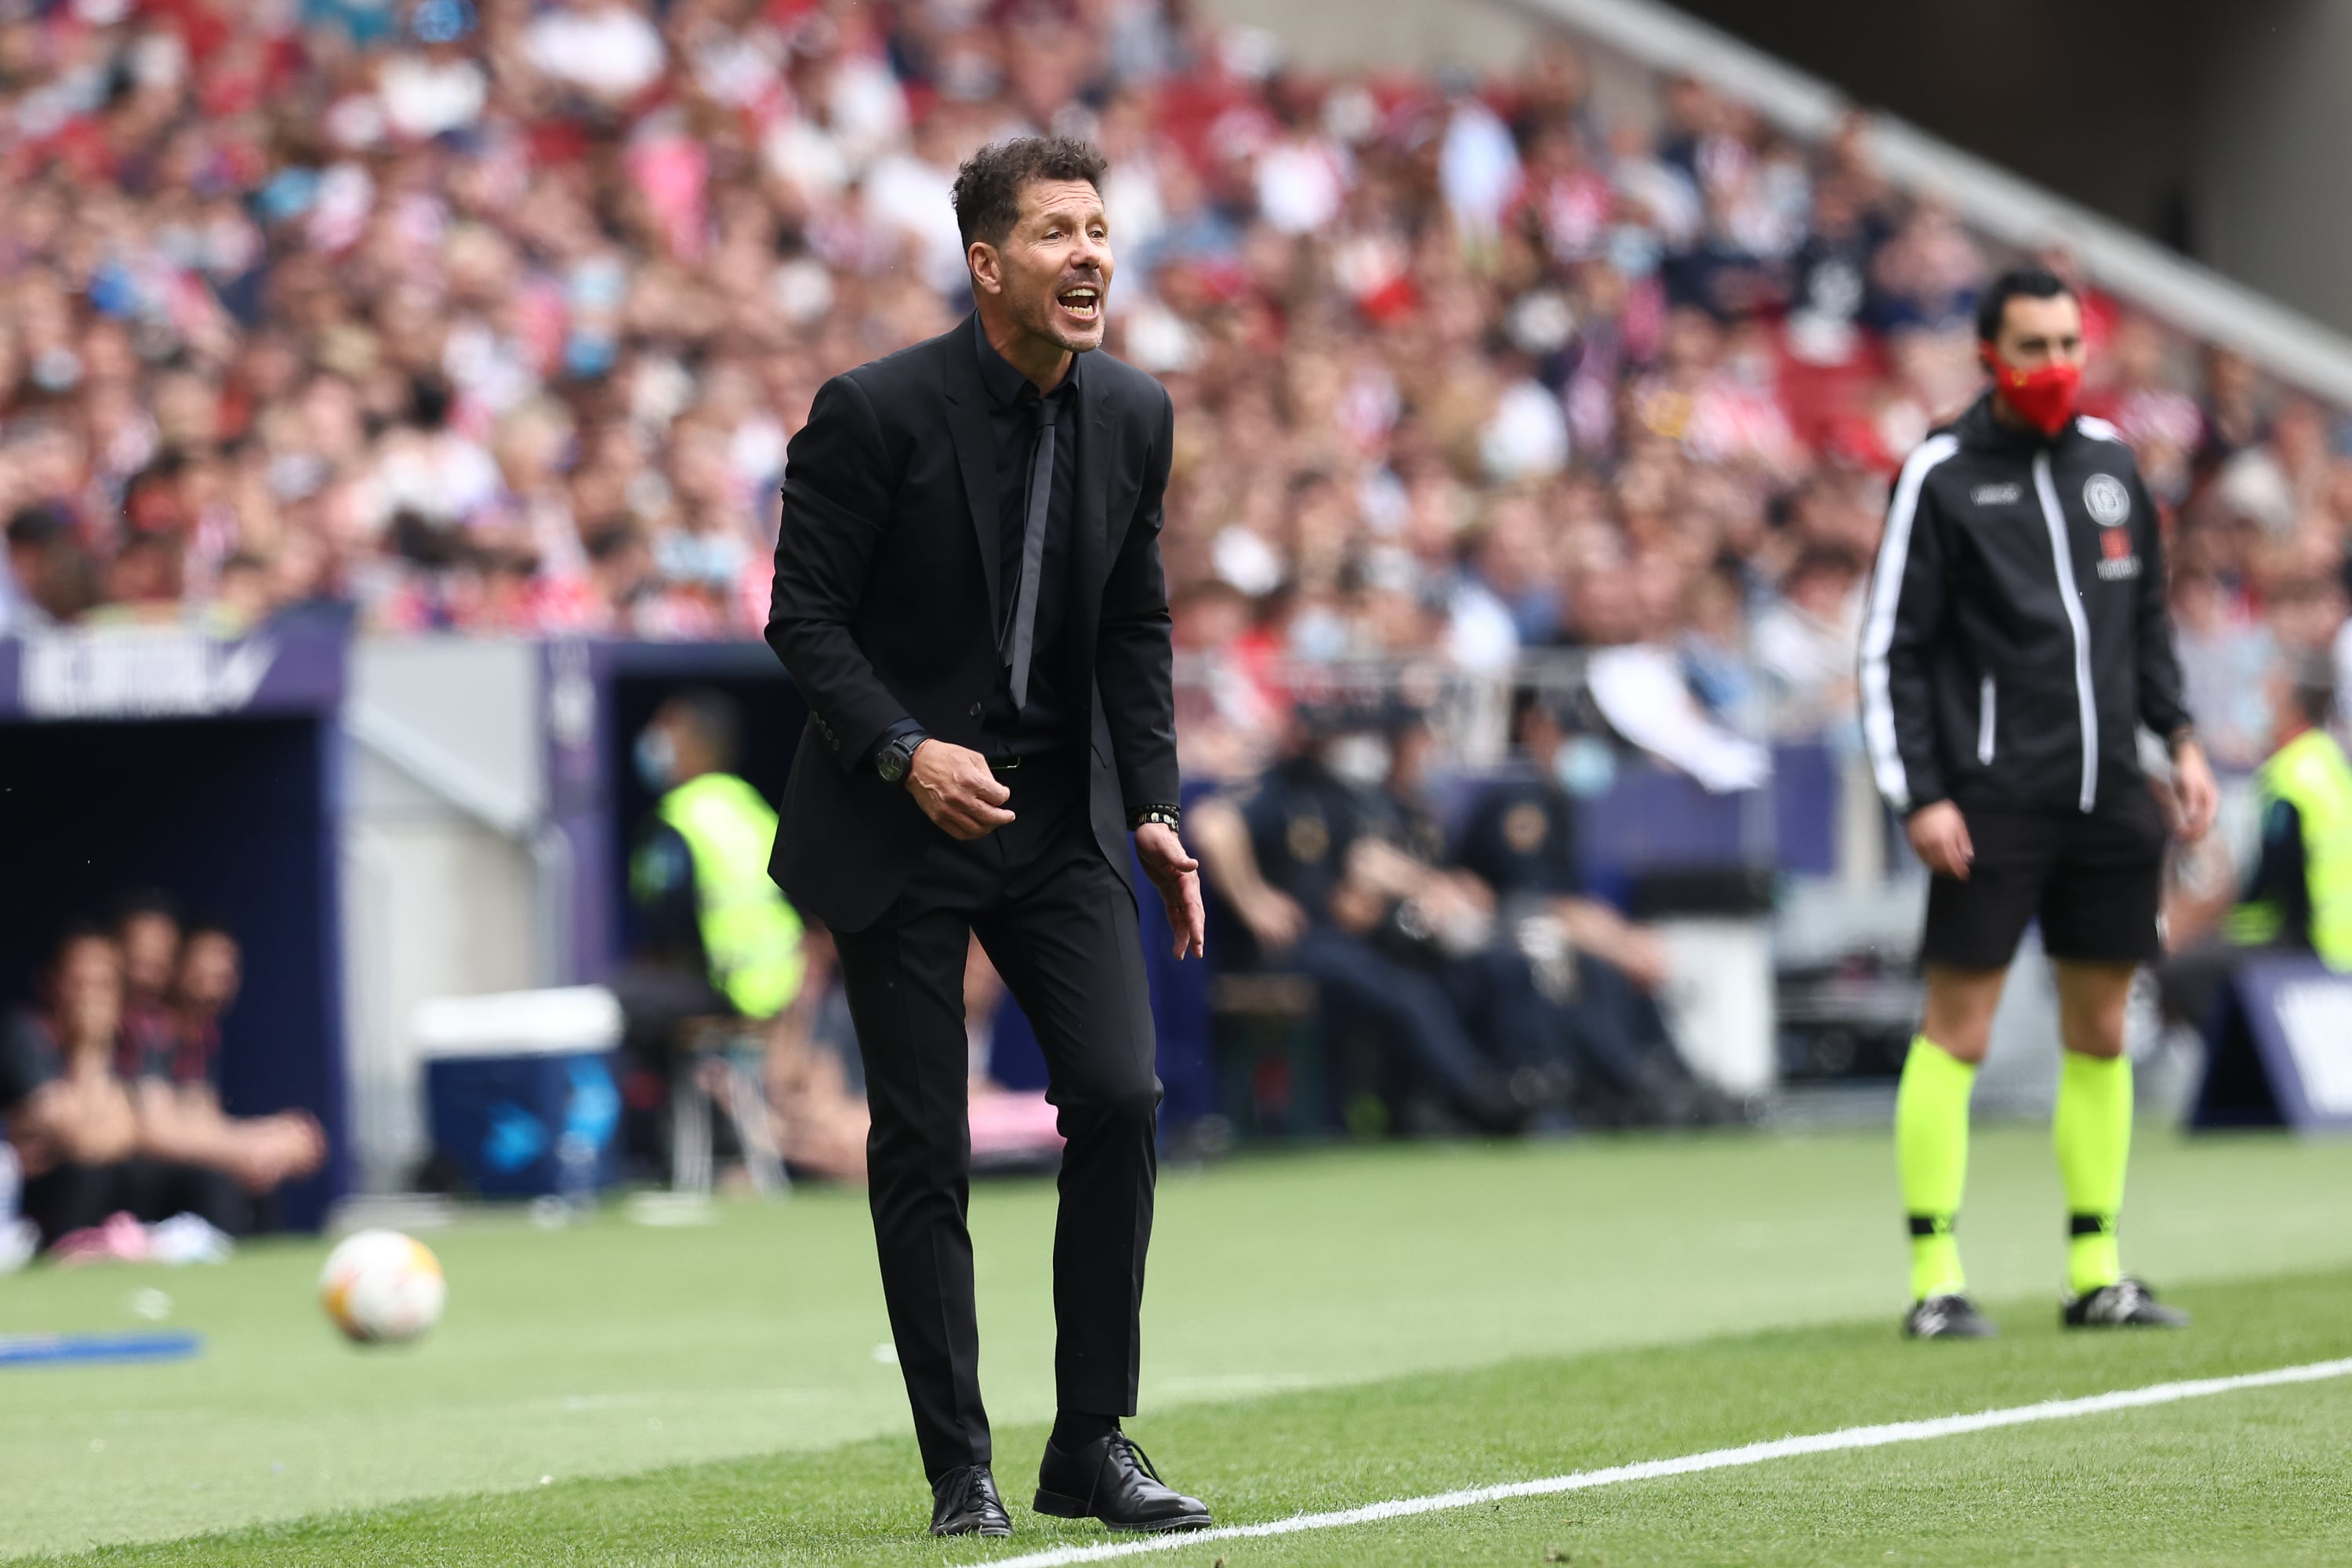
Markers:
<point>96,1350</point>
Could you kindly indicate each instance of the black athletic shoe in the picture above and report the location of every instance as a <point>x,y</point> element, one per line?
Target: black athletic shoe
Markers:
<point>1953,1316</point>
<point>2126,1304</point>
<point>964,1502</point>
<point>1113,1481</point>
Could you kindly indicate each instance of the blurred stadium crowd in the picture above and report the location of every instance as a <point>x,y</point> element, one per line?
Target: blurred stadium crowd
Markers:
<point>497,315</point>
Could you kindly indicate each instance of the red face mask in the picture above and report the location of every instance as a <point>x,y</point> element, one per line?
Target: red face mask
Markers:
<point>2043,398</point>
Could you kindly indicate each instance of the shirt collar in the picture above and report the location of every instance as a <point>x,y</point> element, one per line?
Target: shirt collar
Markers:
<point>1004,384</point>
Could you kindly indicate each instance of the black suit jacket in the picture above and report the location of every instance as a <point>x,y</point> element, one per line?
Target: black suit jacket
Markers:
<point>884,606</point>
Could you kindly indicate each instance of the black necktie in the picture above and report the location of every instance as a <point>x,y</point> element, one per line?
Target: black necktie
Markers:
<point>1023,629</point>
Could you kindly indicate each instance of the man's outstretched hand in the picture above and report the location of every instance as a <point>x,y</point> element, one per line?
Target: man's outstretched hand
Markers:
<point>955,789</point>
<point>1178,877</point>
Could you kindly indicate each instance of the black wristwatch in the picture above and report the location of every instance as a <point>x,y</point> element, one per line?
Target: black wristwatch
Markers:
<point>1168,816</point>
<point>894,758</point>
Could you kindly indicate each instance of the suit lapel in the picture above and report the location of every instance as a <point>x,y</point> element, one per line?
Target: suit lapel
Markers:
<point>975,447</point>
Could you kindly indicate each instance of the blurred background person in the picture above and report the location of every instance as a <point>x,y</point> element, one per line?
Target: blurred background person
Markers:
<point>171,1067</point>
<point>2293,894</point>
<point>1601,971</point>
<point>1308,863</point>
<point>75,1131</point>
<point>147,933</point>
<point>2298,892</point>
<point>714,938</point>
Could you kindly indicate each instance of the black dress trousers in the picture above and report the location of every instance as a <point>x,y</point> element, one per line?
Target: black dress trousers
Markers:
<point>1060,926</point>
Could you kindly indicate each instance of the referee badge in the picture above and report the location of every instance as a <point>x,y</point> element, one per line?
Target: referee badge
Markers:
<point>2104,498</point>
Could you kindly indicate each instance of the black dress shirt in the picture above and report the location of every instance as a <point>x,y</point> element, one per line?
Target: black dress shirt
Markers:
<point>1049,721</point>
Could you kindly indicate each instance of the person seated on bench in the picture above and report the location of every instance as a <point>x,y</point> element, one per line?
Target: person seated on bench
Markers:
<point>171,1067</point>
<point>1520,841</point>
<point>75,1129</point>
<point>1310,861</point>
<point>61,1104</point>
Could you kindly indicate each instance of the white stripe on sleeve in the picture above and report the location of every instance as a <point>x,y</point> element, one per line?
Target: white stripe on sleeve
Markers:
<point>1878,629</point>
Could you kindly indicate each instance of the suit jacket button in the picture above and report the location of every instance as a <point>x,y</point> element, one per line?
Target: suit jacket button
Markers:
<point>975,709</point>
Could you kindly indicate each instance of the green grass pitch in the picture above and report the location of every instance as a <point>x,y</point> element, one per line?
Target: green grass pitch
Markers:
<point>1323,1330</point>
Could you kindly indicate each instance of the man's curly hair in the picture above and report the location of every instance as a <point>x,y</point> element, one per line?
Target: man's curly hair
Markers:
<point>988,186</point>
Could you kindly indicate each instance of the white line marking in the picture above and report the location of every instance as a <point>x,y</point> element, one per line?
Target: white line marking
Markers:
<point>1713,1459</point>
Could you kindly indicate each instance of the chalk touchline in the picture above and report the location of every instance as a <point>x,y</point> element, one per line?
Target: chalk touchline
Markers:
<point>1848,1437</point>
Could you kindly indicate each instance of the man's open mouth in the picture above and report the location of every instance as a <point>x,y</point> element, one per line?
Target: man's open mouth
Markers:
<point>1083,302</point>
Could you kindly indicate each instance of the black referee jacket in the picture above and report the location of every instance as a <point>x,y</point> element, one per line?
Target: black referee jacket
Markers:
<point>2017,638</point>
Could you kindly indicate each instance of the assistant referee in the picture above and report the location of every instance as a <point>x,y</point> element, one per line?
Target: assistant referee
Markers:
<point>2016,642</point>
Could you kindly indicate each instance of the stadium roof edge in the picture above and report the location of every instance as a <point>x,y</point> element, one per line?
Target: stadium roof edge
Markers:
<point>2194,298</point>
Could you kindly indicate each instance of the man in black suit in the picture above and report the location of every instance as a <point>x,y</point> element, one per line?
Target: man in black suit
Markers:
<point>967,592</point>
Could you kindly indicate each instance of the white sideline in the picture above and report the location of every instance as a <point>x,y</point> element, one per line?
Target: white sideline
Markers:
<point>1688,1464</point>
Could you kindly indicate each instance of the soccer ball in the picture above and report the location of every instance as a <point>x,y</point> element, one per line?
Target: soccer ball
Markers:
<point>381,1287</point>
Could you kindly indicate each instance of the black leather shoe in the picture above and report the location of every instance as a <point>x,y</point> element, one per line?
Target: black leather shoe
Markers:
<point>964,1502</point>
<point>1113,1481</point>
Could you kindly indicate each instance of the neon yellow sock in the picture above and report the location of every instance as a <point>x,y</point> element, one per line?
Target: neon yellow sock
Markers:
<point>1931,1151</point>
<point>2092,1129</point>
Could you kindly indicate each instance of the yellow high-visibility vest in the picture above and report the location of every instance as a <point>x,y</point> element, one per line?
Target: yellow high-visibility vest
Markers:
<point>751,936</point>
<point>2310,774</point>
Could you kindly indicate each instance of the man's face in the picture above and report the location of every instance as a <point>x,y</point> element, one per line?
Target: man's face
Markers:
<point>209,971</point>
<point>2035,333</point>
<point>691,752</point>
<point>89,989</point>
<point>151,942</point>
<point>1053,269</point>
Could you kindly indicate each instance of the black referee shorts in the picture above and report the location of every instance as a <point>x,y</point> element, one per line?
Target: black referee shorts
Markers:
<point>2096,882</point>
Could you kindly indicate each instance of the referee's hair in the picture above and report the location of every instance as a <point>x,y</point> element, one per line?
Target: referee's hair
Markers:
<point>2017,283</point>
<point>2311,686</point>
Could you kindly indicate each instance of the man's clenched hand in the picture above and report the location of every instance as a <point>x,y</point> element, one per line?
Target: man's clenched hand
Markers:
<point>955,789</point>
